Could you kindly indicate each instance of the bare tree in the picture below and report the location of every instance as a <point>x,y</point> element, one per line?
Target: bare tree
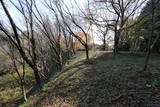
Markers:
<point>15,64</point>
<point>29,54</point>
<point>121,10</point>
<point>71,20</point>
<point>151,35</point>
<point>104,36</point>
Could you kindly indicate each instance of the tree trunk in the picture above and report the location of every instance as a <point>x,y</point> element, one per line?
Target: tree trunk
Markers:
<point>23,91</point>
<point>87,52</point>
<point>146,60</point>
<point>104,42</point>
<point>37,77</point>
<point>115,41</point>
<point>72,45</point>
<point>149,44</point>
<point>60,61</point>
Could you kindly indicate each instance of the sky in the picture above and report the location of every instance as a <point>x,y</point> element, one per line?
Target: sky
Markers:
<point>19,20</point>
<point>18,17</point>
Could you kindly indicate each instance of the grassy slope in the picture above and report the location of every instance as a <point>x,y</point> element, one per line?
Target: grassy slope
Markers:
<point>10,91</point>
<point>105,82</point>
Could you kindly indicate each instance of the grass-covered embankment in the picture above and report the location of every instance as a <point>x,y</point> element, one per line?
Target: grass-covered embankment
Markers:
<point>105,81</point>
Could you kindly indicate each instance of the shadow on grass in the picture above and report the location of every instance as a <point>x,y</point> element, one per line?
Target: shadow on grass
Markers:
<point>63,76</point>
<point>107,82</point>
